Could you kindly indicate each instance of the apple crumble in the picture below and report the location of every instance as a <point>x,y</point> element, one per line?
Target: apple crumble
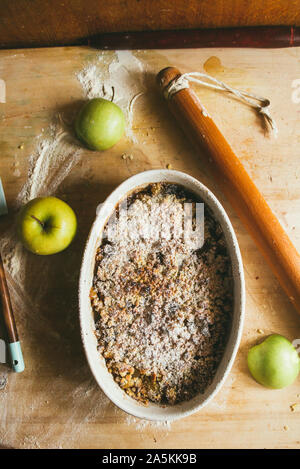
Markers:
<point>162,305</point>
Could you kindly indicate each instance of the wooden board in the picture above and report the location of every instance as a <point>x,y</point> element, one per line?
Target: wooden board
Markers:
<point>55,402</point>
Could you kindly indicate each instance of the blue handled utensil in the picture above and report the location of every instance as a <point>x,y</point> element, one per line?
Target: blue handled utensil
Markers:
<point>12,333</point>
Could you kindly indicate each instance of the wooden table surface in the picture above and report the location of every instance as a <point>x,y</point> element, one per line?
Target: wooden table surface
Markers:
<point>32,23</point>
<point>55,402</point>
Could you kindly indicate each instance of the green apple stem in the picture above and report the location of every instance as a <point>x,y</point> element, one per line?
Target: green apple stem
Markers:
<point>113,94</point>
<point>39,221</point>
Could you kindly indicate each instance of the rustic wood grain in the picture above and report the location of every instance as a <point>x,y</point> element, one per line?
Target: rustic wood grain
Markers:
<point>55,402</point>
<point>25,23</point>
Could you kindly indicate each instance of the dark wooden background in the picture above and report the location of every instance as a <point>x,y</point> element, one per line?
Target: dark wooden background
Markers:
<point>29,23</point>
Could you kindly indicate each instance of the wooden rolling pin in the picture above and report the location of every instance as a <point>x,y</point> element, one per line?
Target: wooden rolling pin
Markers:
<point>237,185</point>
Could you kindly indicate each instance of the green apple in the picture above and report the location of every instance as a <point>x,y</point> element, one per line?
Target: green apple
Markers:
<point>100,124</point>
<point>274,363</point>
<point>46,225</point>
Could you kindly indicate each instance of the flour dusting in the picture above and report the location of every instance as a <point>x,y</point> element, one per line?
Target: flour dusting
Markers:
<point>141,424</point>
<point>45,303</point>
<point>55,155</point>
<point>120,80</point>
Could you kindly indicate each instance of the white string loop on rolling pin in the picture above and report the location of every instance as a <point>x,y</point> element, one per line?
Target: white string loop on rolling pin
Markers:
<point>182,82</point>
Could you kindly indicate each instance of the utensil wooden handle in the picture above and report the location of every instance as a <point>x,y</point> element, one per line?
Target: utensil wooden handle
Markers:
<point>255,36</point>
<point>237,185</point>
<point>13,339</point>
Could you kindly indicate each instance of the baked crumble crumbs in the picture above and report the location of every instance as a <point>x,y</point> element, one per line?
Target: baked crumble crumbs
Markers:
<point>162,309</point>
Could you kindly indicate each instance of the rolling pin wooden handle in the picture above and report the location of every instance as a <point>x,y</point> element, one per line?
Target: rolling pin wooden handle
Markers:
<point>237,185</point>
<point>13,339</point>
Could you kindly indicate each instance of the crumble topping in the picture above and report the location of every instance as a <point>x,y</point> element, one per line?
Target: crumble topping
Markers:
<point>162,306</point>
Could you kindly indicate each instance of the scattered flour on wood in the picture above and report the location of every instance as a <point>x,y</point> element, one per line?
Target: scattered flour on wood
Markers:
<point>54,157</point>
<point>55,154</point>
<point>141,424</point>
<point>121,79</point>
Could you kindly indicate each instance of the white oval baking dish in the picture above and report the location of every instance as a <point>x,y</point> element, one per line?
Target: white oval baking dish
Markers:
<point>96,361</point>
